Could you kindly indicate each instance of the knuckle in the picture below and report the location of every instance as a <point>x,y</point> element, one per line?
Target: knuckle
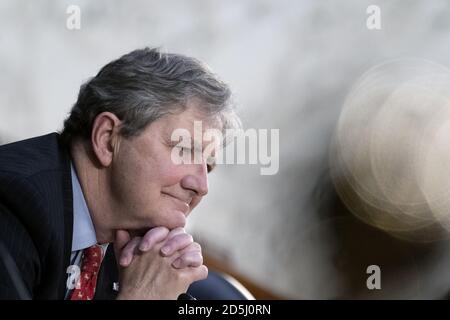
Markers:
<point>181,239</point>
<point>187,259</point>
<point>161,232</point>
<point>178,230</point>
<point>204,272</point>
<point>175,232</point>
<point>151,234</point>
<point>160,229</point>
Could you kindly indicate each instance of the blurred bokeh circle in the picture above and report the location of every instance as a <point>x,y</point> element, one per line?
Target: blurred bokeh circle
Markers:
<point>390,154</point>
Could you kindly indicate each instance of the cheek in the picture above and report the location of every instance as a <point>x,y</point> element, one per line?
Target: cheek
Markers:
<point>145,183</point>
<point>132,181</point>
<point>170,174</point>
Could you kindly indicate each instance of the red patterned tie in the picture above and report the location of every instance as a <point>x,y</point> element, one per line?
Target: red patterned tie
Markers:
<point>90,265</point>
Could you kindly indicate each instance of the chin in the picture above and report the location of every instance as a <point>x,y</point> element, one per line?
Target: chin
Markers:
<point>177,219</point>
<point>169,218</point>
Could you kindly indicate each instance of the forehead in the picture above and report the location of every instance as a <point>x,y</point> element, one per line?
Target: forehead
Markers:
<point>160,132</point>
<point>187,119</point>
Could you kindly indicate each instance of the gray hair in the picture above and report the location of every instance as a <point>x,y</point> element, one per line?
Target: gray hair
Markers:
<point>145,85</point>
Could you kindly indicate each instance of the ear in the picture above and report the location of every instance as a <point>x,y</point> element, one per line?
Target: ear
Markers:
<point>105,130</point>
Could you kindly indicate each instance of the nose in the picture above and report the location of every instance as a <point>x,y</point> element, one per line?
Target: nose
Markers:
<point>197,179</point>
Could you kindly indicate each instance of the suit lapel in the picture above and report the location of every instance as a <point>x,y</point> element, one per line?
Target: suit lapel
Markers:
<point>108,274</point>
<point>68,219</point>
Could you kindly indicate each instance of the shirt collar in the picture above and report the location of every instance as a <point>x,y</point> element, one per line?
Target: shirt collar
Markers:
<point>83,229</point>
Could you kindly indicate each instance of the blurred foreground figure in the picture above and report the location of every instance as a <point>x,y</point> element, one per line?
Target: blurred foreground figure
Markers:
<point>390,157</point>
<point>107,189</point>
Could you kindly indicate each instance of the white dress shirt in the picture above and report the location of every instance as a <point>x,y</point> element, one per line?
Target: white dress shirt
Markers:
<point>83,235</point>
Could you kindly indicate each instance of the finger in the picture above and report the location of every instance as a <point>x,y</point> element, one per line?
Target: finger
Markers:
<point>128,252</point>
<point>200,273</point>
<point>188,259</point>
<point>194,246</point>
<point>121,239</point>
<point>175,232</point>
<point>152,237</point>
<point>176,243</point>
<point>196,274</point>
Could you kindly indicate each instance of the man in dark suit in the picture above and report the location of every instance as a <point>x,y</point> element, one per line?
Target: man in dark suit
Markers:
<point>108,186</point>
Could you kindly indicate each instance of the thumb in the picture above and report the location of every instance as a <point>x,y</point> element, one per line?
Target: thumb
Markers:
<point>122,238</point>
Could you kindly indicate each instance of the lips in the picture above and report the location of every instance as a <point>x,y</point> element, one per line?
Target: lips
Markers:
<point>184,204</point>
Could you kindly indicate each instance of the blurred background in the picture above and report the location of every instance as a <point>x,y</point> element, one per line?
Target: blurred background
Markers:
<point>293,66</point>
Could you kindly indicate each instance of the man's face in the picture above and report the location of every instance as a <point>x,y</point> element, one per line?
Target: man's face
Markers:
<point>147,187</point>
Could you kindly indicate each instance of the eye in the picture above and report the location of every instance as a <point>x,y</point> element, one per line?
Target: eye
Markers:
<point>210,165</point>
<point>184,148</point>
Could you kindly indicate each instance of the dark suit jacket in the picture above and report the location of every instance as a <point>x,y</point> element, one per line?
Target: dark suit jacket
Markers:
<point>36,219</point>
